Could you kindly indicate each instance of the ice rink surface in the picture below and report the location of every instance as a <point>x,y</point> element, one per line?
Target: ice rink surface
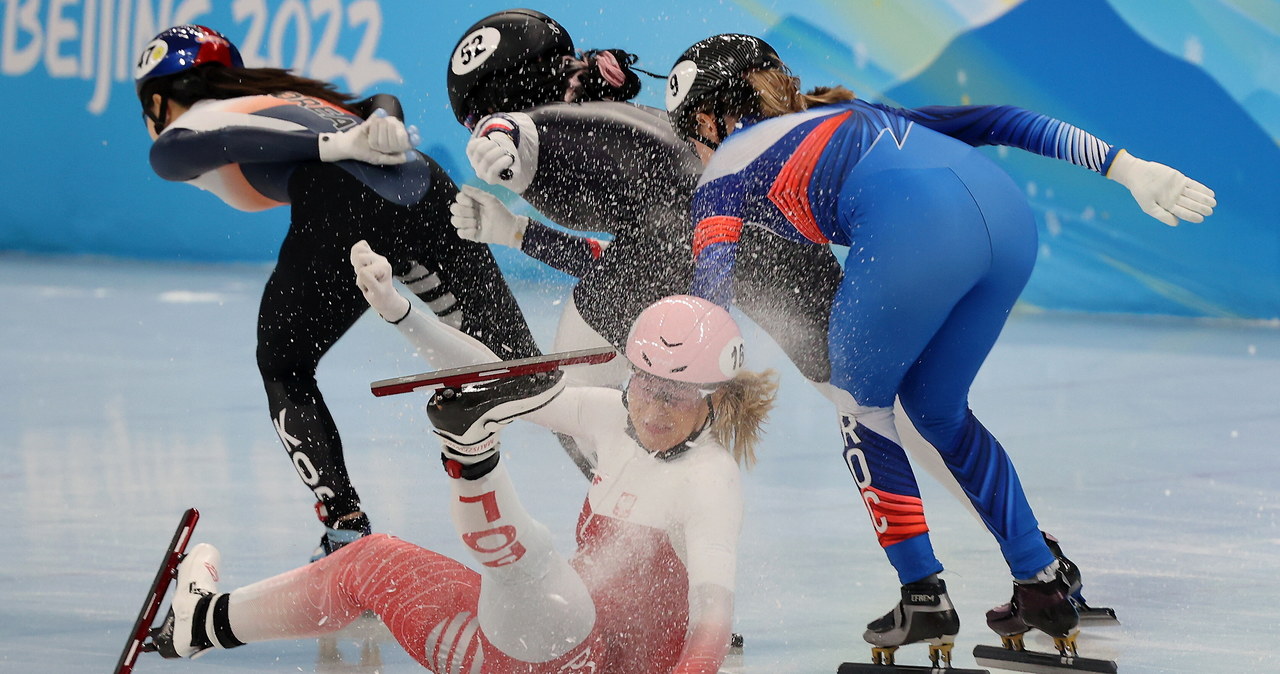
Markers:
<point>1151,447</point>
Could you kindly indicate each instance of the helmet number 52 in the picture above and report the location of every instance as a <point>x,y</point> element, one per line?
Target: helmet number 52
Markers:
<point>475,49</point>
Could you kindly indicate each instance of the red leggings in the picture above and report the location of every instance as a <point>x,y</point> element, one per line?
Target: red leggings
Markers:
<point>427,600</point>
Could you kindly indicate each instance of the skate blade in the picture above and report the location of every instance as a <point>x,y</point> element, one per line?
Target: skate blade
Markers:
<point>869,668</point>
<point>1097,617</point>
<point>329,659</point>
<point>367,631</point>
<point>368,627</point>
<point>996,657</point>
<point>141,639</point>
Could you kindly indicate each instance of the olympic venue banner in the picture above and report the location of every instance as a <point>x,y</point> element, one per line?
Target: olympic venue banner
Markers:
<point>1194,84</point>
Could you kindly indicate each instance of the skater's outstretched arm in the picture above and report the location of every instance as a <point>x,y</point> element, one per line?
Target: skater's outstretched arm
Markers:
<point>200,141</point>
<point>481,216</point>
<point>1163,192</point>
<point>711,623</point>
<point>591,165</point>
<point>442,345</point>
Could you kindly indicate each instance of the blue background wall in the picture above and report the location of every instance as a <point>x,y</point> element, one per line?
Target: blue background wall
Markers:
<point>1191,83</point>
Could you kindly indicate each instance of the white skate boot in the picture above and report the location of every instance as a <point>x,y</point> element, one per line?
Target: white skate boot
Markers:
<point>184,632</point>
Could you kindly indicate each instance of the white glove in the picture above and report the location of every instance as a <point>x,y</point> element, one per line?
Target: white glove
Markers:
<point>373,277</point>
<point>382,140</point>
<point>503,150</point>
<point>1162,192</point>
<point>480,216</point>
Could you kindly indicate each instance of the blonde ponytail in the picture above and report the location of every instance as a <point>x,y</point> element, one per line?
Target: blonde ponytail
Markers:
<point>741,406</point>
<point>778,93</point>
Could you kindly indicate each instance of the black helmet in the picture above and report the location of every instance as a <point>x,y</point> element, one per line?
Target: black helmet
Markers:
<point>715,69</point>
<point>508,61</point>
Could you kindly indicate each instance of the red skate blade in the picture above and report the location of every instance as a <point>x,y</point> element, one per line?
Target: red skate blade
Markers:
<point>505,369</point>
<point>138,643</point>
<point>997,657</point>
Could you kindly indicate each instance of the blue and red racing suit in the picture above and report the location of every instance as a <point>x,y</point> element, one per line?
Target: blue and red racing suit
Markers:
<point>941,243</point>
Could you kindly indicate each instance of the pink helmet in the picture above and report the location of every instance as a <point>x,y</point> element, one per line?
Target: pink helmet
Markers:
<point>686,339</point>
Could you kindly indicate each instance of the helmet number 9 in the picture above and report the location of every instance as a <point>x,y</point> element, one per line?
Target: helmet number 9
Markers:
<point>679,83</point>
<point>474,50</point>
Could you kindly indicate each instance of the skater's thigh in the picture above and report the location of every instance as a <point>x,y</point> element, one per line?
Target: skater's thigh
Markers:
<point>428,601</point>
<point>918,246</point>
<point>308,303</point>
<point>935,390</point>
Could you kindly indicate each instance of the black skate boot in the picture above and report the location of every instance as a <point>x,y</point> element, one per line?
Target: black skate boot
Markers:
<point>924,613</point>
<point>1044,604</point>
<point>1097,617</point>
<point>468,419</point>
<point>346,530</point>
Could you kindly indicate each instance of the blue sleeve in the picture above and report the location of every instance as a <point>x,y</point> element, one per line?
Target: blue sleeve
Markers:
<point>183,154</point>
<point>713,272</point>
<point>569,253</point>
<point>716,213</point>
<point>1016,127</point>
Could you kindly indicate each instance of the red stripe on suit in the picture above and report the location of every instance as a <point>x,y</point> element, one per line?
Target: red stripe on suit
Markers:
<point>715,229</point>
<point>790,190</point>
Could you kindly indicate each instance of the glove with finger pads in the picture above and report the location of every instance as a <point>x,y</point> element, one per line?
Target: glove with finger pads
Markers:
<point>381,140</point>
<point>503,150</point>
<point>373,277</point>
<point>1163,192</point>
<point>480,216</point>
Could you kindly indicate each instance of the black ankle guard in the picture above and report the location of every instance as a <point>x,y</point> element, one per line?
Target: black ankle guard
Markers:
<point>199,636</point>
<point>475,471</point>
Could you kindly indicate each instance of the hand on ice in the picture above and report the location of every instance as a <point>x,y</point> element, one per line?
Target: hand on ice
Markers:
<point>1162,192</point>
<point>373,277</point>
<point>382,140</point>
<point>480,216</point>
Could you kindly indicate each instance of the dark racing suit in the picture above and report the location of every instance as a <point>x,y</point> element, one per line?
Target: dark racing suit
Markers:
<point>257,152</point>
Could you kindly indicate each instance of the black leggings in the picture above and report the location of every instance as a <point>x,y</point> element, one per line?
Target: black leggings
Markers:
<point>311,300</point>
